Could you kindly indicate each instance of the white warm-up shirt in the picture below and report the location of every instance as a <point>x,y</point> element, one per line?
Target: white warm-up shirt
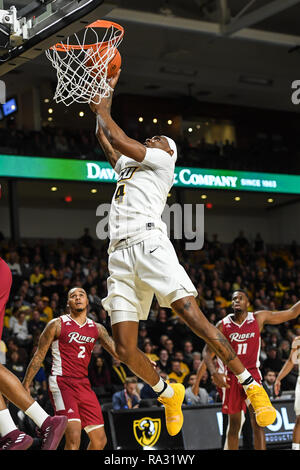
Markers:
<point>141,194</point>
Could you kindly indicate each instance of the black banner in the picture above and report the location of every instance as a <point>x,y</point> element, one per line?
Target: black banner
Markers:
<point>145,429</point>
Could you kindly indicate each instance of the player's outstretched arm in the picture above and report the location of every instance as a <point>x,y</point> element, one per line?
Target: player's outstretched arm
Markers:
<point>107,341</point>
<point>288,365</point>
<point>275,318</point>
<point>49,334</point>
<point>115,135</point>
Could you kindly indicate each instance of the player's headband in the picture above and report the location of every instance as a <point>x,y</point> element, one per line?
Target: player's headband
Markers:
<point>172,146</point>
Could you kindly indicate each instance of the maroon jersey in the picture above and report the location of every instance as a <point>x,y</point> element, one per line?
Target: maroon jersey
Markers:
<point>71,352</point>
<point>5,285</point>
<point>244,338</point>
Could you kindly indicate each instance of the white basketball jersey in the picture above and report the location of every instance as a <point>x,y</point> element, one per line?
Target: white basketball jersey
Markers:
<point>140,195</point>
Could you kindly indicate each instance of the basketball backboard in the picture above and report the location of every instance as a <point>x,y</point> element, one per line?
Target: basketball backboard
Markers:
<point>28,29</point>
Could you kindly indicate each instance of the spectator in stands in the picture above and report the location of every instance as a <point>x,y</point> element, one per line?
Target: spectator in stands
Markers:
<point>119,373</point>
<point>47,310</point>
<point>99,372</point>
<point>188,349</point>
<point>164,363</point>
<point>169,345</point>
<point>270,276</point>
<point>176,373</point>
<point>143,334</point>
<point>195,395</point>
<point>149,350</point>
<point>20,331</point>
<point>269,382</point>
<point>206,383</point>
<point>16,366</point>
<point>183,366</point>
<point>284,349</point>
<point>14,264</point>
<point>196,361</point>
<point>35,324</point>
<point>13,319</point>
<point>36,276</point>
<point>273,360</point>
<point>127,398</point>
<point>12,346</point>
<point>162,341</point>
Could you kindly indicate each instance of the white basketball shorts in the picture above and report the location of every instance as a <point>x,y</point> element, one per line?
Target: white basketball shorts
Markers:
<point>297,398</point>
<point>139,271</point>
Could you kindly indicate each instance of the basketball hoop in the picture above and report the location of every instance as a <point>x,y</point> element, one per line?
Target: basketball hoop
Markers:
<point>82,68</point>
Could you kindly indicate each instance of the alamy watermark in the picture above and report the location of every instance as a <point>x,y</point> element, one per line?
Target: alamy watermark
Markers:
<point>183,222</point>
<point>2,92</point>
<point>296,94</point>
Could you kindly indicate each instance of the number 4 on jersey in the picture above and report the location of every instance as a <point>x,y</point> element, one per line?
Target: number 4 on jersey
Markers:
<point>120,193</point>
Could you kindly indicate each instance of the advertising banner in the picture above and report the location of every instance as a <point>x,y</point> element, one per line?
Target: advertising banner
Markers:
<point>187,177</point>
<point>144,429</point>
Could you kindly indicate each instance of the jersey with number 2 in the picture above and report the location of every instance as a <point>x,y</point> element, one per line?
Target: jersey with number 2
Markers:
<point>71,352</point>
<point>244,338</point>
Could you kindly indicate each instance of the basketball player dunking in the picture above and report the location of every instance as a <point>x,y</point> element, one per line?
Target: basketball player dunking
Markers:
<point>143,262</point>
<point>72,338</point>
<point>293,359</point>
<point>242,329</point>
<point>52,428</point>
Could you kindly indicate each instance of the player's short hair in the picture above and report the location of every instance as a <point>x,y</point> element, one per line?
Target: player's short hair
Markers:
<point>73,288</point>
<point>243,291</point>
<point>269,370</point>
<point>131,380</point>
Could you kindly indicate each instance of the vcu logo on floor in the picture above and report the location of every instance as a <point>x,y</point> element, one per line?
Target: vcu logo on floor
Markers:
<point>147,431</point>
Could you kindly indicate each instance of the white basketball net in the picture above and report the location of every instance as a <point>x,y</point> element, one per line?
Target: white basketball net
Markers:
<point>81,70</point>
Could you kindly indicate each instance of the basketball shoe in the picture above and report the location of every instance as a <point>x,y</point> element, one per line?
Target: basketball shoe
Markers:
<point>173,412</point>
<point>52,431</point>
<point>15,440</point>
<point>265,413</point>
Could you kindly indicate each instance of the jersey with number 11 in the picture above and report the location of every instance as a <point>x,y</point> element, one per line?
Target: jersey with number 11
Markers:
<point>71,352</point>
<point>244,338</point>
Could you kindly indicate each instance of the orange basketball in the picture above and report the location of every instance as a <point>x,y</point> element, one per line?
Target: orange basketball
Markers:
<point>98,59</point>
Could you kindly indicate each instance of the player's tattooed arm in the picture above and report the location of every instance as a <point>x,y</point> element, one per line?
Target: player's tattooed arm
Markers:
<point>112,155</point>
<point>118,139</point>
<point>49,334</point>
<point>107,341</point>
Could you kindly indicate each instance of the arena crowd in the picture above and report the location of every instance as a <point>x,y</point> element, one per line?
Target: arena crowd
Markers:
<point>44,272</point>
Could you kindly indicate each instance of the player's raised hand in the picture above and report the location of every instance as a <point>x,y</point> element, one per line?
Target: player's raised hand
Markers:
<point>103,105</point>
<point>220,380</point>
<point>114,80</point>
